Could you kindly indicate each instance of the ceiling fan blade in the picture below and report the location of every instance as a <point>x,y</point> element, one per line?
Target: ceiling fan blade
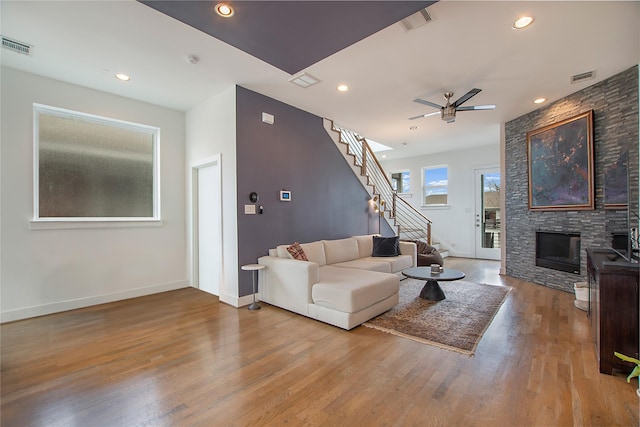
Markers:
<point>476,107</point>
<point>424,115</point>
<point>467,96</point>
<point>430,104</point>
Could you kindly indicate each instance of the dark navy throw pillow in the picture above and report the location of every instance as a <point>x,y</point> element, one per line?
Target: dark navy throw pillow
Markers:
<point>385,246</point>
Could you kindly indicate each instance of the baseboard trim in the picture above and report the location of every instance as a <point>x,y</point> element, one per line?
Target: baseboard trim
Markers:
<point>57,307</point>
<point>238,302</point>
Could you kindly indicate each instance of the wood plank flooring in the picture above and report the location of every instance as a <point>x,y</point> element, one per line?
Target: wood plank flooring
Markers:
<point>181,358</point>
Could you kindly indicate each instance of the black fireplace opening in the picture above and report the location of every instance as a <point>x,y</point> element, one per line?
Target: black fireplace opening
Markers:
<point>558,251</point>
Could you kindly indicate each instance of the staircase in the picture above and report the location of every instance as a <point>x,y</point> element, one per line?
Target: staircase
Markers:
<point>404,219</point>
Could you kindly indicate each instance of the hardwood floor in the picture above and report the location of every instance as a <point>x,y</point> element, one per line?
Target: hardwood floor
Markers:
<point>181,358</point>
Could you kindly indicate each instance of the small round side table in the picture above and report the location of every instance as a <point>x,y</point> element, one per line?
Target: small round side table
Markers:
<point>255,268</point>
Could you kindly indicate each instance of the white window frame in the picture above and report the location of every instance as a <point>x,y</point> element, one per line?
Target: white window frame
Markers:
<point>424,187</point>
<point>401,172</point>
<point>93,222</point>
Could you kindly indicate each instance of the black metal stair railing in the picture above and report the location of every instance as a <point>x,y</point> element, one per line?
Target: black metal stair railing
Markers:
<point>410,223</point>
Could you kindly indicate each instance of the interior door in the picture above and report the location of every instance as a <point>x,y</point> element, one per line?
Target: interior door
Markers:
<point>487,216</point>
<point>208,228</point>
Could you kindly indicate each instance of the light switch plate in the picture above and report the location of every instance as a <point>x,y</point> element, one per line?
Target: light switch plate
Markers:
<point>249,209</point>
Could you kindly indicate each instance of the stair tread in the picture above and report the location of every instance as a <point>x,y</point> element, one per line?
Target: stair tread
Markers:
<point>359,156</point>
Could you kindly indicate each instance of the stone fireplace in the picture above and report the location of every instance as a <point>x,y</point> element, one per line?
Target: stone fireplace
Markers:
<point>558,251</point>
<point>614,102</point>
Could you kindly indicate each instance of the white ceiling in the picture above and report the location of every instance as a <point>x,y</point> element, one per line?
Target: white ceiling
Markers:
<point>468,44</point>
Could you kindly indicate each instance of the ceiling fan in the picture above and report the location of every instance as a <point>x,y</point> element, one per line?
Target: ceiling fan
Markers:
<point>448,112</point>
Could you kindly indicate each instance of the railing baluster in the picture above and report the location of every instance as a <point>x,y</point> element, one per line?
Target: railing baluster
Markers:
<point>364,160</point>
<point>410,222</point>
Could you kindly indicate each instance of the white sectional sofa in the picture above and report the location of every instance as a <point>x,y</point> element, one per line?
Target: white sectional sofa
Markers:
<point>341,283</point>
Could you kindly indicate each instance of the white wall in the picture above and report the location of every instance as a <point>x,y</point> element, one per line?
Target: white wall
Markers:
<point>211,130</point>
<point>45,271</point>
<point>453,226</point>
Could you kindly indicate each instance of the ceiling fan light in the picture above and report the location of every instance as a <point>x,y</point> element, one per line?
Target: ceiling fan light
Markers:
<point>522,22</point>
<point>449,114</point>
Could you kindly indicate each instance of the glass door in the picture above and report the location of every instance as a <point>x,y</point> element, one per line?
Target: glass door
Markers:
<point>487,216</point>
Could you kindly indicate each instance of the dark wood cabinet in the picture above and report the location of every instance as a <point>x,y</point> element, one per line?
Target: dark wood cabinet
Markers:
<point>614,306</point>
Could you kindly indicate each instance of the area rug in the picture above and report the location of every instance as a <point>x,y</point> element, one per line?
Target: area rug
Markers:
<point>456,323</point>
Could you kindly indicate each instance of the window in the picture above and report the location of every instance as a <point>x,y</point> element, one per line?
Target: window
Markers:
<point>90,168</point>
<point>400,182</point>
<point>435,185</point>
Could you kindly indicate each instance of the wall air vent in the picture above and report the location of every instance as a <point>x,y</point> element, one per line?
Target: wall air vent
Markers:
<point>16,46</point>
<point>416,20</point>
<point>583,76</point>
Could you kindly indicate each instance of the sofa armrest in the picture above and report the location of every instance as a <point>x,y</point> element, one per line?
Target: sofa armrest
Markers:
<point>409,248</point>
<point>287,283</point>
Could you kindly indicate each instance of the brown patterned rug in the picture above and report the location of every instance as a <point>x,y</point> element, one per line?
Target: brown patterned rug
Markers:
<point>456,323</point>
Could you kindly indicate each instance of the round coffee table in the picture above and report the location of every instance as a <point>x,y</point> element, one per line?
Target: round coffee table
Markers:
<point>432,290</point>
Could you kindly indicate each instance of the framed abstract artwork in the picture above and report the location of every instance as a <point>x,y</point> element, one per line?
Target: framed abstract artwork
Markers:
<point>560,162</point>
<point>616,190</point>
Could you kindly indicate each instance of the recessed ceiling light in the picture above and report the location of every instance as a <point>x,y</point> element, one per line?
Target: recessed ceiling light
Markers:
<point>224,10</point>
<point>523,22</point>
<point>539,100</point>
<point>384,156</point>
<point>343,88</point>
<point>123,77</point>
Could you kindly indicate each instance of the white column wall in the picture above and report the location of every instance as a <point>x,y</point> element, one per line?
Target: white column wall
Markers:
<point>211,130</point>
<point>46,271</point>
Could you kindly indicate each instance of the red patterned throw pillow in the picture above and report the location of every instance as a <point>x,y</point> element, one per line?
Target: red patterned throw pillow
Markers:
<point>296,252</point>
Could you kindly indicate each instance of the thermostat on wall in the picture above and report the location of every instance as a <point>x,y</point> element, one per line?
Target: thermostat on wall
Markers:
<point>285,196</point>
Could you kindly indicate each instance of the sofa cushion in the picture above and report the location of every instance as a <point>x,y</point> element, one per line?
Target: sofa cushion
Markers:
<point>297,252</point>
<point>340,250</point>
<point>396,264</point>
<point>315,252</point>
<point>282,252</point>
<point>385,246</point>
<point>365,245</point>
<point>366,264</point>
<point>350,290</point>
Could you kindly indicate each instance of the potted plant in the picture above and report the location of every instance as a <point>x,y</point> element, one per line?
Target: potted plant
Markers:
<point>636,370</point>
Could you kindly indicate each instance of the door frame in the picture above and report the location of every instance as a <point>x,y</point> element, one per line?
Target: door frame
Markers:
<point>195,236</point>
<point>496,252</point>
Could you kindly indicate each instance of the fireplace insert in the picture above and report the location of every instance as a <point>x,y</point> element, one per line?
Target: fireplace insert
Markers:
<point>558,251</point>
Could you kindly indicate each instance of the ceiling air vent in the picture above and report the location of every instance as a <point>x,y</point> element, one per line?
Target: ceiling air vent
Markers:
<point>583,76</point>
<point>304,80</point>
<point>16,46</point>
<point>416,20</point>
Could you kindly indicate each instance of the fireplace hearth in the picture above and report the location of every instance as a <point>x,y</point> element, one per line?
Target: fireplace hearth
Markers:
<point>558,251</point>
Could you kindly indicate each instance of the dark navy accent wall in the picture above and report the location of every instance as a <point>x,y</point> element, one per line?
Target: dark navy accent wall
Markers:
<point>614,102</point>
<point>295,154</point>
